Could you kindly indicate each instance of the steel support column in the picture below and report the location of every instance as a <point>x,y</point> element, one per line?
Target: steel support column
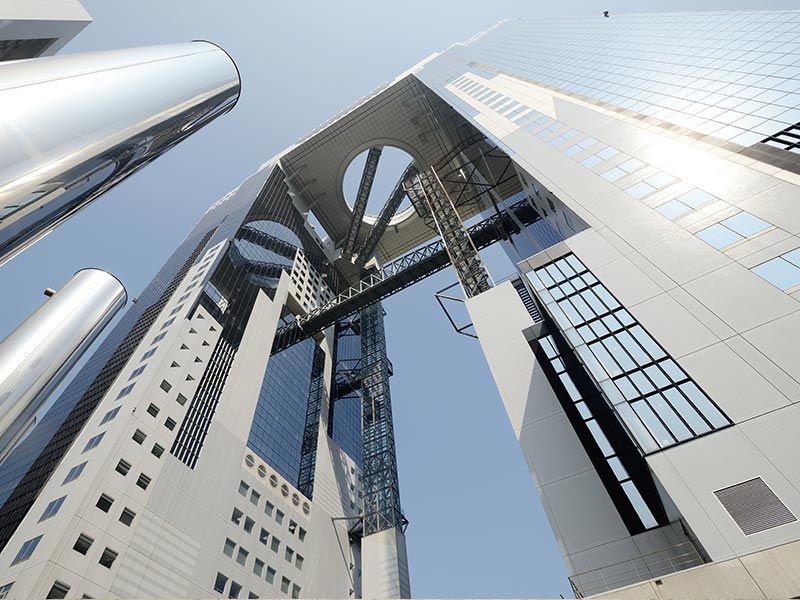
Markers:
<point>381,489</point>
<point>308,455</point>
<point>360,205</point>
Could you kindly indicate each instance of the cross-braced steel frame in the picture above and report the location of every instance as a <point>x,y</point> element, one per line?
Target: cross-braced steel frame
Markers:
<point>379,463</point>
<point>308,452</point>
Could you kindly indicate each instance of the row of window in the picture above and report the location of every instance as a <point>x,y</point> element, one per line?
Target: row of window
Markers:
<point>270,510</point>
<point>235,589</point>
<point>655,398</point>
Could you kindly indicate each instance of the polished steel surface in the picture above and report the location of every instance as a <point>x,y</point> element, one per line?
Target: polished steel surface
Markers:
<point>37,355</point>
<point>72,127</point>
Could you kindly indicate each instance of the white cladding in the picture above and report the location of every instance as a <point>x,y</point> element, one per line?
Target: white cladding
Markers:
<point>59,20</point>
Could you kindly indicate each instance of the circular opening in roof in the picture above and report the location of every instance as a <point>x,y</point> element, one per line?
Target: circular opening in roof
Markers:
<point>391,164</point>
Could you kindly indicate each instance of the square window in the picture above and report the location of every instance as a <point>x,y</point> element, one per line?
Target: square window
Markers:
<point>718,236</point>
<point>143,481</point>
<point>74,473</point>
<point>58,590</point>
<point>181,399</point>
<point>83,543</point>
<point>152,409</point>
<point>139,436</point>
<point>123,466</point>
<point>52,508</point>
<point>26,551</point>
<point>166,385</point>
<point>170,423</point>
<point>220,582</point>
<point>126,518</point>
<point>613,174</point>
<point>107,558</point>
<point>745,224</point>
<point>157,450</point>
<point>640,190</point>
<point>229,547</point>
<point>695,198</point>
<point>241,557</point>
<point>673,209</point>
<point>110,415</point>
<point>104,502</point>
<point>270,576</point>
<point>779,272</point>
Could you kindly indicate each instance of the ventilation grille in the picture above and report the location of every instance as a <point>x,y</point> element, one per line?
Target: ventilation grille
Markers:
<point>754,506</point>
<point>527,300</point>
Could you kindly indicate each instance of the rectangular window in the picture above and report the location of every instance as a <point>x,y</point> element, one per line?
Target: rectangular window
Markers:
<point>166,385</point>
<point>243,488</point>
<point>258,567</point>
<point>108,557</point>
<point>158,338</point>
<point>139,436</point>
<point>237,515</point>
<point>110,415</point>
<point>148,354</point>
<point>181,399</point>
<point>249,524</point>
<point>126,518</point>
<point>170,423</point>
<point>288,554</point>
<point>301,534</point>
<point>270,576</point>
<point>285,583</point>
<point>5,589</point>
<point>83,543</point>
<point>93,442</point>
<point>157,450</point>
<point>220,582</point>
<point>279,516</point>
<point>52,508</point>
<point>255,497</point>
<point>235,590</point>
<point>275,545</point>
<point>268,507</point>
<point>295,590</point>
<point>176,310</point>
<point>241,556</point>
<point>152,410</point>
<point>136,372</point>
<point>263,537</point>
<point>298,562</point>
<point>74,473</point>
<point>229,547</point>
<point>168,323</point>
<point>782,271</point>
<point>143,481</point>
<point>27,549</point>
<point>125,391</point>
<point>123,466</point>
<point>104,502</point>
<point>58,590</point>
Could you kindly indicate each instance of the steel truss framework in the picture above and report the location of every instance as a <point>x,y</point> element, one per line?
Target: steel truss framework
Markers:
<point>308,453</point>
<point>400,274</point>
<point>362,197</point>
<point>461,250</point>
<point>379,464</point>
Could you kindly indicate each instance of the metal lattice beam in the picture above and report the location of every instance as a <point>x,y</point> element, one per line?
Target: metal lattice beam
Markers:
<point>379,463</point>
<point>463,254</point>
<point>387,212</point>
<point>308,453</point>
<point>360,205</point>
<point>400,274</point>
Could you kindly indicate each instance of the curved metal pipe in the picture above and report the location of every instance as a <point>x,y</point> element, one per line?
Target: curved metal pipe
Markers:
<point>72,127</point>
<point>37,355</point>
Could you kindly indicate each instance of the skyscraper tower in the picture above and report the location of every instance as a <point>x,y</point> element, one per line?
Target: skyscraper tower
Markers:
<point>233,435</point>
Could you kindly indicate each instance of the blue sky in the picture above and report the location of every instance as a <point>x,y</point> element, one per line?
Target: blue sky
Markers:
<point>477,527</point>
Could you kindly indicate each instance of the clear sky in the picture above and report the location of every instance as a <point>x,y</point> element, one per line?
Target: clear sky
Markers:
<point>477,527</point>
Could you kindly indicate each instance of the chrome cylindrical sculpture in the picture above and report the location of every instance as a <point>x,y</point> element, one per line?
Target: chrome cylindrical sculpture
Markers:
<point>37,355</point>
<point>72,127</point>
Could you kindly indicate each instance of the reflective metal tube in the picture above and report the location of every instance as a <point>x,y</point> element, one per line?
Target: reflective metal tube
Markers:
<point>72,127</point>
<point>37,355</point>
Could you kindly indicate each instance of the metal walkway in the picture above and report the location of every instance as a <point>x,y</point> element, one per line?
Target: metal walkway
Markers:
<point>400,274</point>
